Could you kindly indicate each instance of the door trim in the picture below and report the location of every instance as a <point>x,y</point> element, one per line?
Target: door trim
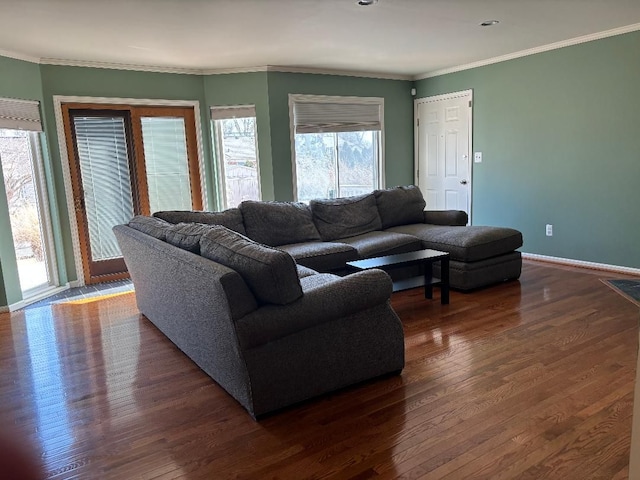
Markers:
<point>416,137</point>
<point>58,100</point>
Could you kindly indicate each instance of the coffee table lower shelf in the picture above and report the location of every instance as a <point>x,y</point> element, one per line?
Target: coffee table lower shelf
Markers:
<point>420,257</point>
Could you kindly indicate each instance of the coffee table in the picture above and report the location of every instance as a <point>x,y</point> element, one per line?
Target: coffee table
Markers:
<point>420,257</point>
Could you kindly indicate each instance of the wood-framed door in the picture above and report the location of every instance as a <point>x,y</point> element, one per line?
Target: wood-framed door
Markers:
<point>443,150</point>
<point>124,161</point>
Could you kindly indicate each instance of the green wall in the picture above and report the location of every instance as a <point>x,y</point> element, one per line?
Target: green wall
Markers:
<point>97,82</point>
<point>560,136</point>
<point>19,79</point>
<point>247,89</point>
<point>398,121</point>
<point>558,132</point>
<point>268,91</point>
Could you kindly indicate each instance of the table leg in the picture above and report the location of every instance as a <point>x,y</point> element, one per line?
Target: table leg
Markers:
<point>444,281</point>
<point>428,277</point>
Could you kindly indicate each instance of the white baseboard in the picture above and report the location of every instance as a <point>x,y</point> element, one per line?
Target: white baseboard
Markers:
<point>17,306</point>
<point>4,309</point>
<point>580,263</point>
<point>35,298</point>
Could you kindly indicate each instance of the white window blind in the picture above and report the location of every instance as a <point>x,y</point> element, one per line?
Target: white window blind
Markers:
<point>166,163</point>
<point>104,166</point>
<point>20,115</point>
<point>223,113</point>
<point>317,116</point>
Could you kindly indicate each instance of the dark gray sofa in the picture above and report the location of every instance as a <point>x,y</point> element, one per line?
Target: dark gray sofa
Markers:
<point>328,233</point>
<point>270,332</point>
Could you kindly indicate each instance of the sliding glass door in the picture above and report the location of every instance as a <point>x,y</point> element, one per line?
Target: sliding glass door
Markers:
<point>29,216</point>
<point>127,161</point>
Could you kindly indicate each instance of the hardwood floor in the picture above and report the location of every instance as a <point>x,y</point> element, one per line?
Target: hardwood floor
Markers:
<point>529,380</point>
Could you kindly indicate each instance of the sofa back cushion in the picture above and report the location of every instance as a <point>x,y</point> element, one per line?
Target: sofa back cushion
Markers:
<point>231,218</point>
<point>155,227</point>
<point>271,274</point>
<point>278,223</point>
<point>400,206</point>
<point>345,217</point>
<point>187,235</point>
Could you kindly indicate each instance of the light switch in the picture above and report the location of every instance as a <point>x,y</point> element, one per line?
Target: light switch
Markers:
<point>477,157</point>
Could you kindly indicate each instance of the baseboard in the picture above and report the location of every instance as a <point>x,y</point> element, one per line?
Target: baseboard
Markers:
<point>582,264</point>
<point>48,292</point>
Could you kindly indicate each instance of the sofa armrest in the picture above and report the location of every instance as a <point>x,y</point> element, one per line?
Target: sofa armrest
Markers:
<point>325,303</point>
<point>446,217</point>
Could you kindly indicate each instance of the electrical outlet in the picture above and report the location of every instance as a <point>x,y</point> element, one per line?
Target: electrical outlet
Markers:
<point>549,230</point>
<point>477,157</point>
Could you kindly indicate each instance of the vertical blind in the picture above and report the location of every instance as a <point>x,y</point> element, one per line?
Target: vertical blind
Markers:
<point>317,116</point>
<point>104,165</point>
<point>20,115</point>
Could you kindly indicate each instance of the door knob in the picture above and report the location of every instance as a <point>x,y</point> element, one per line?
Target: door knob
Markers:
<point>463,182</point>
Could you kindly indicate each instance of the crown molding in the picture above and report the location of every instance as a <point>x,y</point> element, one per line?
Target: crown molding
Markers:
<point>319,71</point>
<point>226,71</point>
<point>19,56</point>
<point>532,51</point>
<point>120,66</point>
<point>217,71</point>
<point>342,73</point>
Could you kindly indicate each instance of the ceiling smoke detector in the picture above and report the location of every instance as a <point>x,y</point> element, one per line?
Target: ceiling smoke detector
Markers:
<point>364,3</point>
<point>489,23</point>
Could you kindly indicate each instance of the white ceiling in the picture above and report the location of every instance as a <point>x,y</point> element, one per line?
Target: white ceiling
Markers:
<point>404,38</point>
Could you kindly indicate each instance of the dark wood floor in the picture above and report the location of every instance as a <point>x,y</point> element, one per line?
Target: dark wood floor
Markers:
<point>528,380</point>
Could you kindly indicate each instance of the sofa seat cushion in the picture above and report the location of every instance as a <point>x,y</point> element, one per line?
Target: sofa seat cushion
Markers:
<point>305,272</point>
<point>155,227</point>
<point>321,256</point>
<point>187,235</point>
<point>327,299</point>
<point>231,218</point>
<point>278,223</point>
<point>317,281</point>
<point>471,275</point>
<point>271,274</point>
<point>377,244</point>
<point>400,205</point>
<point>465,244</point>
<point>345,217</point>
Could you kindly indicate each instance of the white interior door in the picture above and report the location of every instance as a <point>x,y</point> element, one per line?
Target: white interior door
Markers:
<point>443,150</point>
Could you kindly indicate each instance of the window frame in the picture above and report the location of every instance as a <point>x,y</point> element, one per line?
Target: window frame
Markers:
<point>58,101</point>
<point>218,151</point>
<point>299,98</point>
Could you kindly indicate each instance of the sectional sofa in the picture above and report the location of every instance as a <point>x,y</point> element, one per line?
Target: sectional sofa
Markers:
<point>257,296</point>
<point>268,331</point>
<point>328,233</point>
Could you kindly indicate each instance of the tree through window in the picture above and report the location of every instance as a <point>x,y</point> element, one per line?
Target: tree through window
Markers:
<point>337,145</point>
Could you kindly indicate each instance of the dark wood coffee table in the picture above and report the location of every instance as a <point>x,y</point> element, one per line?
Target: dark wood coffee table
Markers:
<point>420,257</point>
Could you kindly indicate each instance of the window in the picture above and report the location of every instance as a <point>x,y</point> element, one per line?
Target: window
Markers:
<point>236,149</point>
<point>22,171</point>
<point>337,145</point>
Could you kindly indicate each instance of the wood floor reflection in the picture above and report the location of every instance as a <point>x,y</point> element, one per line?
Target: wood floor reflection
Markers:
<point>530,379</point>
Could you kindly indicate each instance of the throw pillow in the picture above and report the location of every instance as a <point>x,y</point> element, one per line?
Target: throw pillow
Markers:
<point>187,235</point>
<point>230,218</point>
<point>155,227</point>
<point>400,206</point>
<point>278,223</point>
<point>271,274</point>
<point>345,217</point>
